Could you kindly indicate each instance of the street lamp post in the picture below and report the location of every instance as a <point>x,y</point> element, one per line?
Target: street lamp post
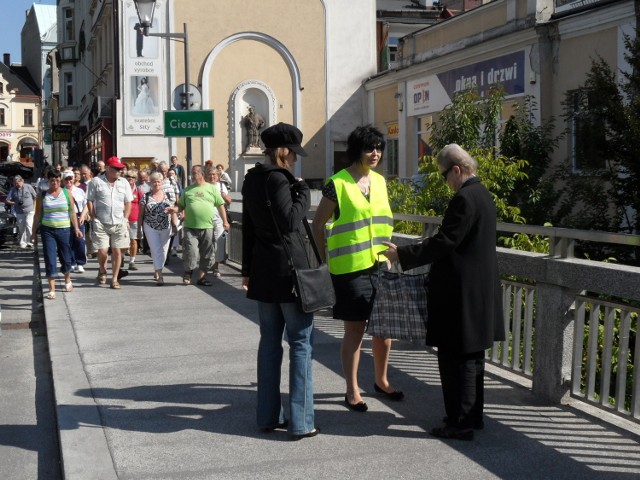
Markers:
<point>146,10</point>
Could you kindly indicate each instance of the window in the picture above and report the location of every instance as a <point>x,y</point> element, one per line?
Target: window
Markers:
<point>68,23</point>
<point>28,117</point>
<point>1,87</point>
<point>588,142</point>
<point>68,89</point>
<point>2,119</point>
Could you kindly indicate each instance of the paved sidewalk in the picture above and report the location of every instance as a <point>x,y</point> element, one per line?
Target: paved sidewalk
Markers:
<point>159,383</point>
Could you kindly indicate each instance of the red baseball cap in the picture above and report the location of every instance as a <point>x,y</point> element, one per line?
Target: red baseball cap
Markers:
<point>115,162</point>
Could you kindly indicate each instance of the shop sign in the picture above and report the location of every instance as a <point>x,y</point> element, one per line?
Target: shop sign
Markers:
<point>393,130</point>
<point>6,134</point>
<point>434,92</point>
<point>62,133</point>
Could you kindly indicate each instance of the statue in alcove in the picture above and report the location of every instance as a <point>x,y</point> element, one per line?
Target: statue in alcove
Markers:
<point>253,122</point>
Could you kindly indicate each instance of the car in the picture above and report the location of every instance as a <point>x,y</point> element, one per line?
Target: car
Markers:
<point>8,228</point>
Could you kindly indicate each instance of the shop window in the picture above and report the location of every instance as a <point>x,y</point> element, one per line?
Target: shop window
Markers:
<point>28,117</point>
<point>391,158</point>
<point>424,136</point>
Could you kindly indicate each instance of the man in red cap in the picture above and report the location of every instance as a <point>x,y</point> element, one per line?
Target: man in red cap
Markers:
<point>109,199</point>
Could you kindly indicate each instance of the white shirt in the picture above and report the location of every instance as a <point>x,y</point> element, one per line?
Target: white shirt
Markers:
<point>108,200</point>
<point>79,198</point>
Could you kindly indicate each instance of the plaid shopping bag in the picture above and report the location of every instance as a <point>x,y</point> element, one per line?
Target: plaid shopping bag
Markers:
<point>399,306</point>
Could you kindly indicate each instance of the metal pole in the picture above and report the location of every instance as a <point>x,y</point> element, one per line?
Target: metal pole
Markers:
<point>187,93</point>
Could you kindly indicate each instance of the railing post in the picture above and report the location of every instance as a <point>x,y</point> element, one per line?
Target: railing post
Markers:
<point>554,341</point>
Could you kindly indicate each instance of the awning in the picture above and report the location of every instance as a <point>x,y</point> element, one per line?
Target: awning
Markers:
<point>28,141</point>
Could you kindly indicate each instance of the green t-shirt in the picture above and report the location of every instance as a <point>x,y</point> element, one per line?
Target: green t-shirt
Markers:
<point>199,203</point>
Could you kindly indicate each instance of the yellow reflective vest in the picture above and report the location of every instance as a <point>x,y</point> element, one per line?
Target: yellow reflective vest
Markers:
<point>355,238</point>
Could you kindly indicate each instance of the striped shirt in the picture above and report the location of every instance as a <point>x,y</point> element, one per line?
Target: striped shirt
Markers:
<point>55,211</point>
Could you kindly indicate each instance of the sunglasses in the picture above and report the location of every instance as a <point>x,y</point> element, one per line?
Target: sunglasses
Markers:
<point>371,148</point>
<point>446,172</point>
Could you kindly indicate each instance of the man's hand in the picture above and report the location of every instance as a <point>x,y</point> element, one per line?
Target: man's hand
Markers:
<point>392,252</point>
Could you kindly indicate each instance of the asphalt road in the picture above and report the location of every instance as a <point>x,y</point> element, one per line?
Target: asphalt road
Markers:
<point>28,431</point>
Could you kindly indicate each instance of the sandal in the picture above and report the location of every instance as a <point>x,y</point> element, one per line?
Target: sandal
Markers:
<point>204,282</point>
<point>102,278</point>
<point>51,295</point>
<point>115,286</point>
<point>68,287</point>
<point>186,278</point>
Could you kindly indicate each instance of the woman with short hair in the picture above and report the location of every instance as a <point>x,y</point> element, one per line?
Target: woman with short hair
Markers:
<point>157,223</point>
<point>55,218</point>
<point>356,198</point>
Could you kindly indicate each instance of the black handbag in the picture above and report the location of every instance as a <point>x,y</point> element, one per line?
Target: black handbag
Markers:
<point>312,287</point>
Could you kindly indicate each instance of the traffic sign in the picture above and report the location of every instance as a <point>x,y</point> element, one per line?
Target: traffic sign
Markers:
<point>188,123</point>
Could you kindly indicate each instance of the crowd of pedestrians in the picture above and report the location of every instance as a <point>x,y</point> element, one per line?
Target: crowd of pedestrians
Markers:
<point>118,211</point>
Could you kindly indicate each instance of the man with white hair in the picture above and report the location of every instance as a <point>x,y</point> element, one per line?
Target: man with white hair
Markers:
<point>464,297</point>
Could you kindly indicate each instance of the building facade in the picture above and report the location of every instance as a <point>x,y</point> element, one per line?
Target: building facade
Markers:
<point>38,38</point>
<point>540,48</point>
<point>297,62</point>
<point>20,111</point>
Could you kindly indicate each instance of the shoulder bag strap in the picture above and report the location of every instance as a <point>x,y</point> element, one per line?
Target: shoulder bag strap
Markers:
<point>306,226</point>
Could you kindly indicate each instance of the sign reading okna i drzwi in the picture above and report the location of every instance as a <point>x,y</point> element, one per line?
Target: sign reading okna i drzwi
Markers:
<point>188,123</point>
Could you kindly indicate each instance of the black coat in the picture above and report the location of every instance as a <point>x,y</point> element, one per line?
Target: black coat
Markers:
<point>465,297</point>
<point>264,259</point>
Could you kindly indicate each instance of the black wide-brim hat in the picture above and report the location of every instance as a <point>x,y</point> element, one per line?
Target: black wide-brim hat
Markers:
<point>283,135</point>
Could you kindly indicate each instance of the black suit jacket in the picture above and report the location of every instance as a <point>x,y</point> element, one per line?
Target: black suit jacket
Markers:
<point>264,259</point>
<point>465,297</point>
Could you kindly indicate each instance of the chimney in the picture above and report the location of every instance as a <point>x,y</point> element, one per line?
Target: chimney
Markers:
<point>7,59</point>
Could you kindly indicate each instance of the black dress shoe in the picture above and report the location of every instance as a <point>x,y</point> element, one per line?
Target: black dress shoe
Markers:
<point>356,407</point>
<point>396,395</point>
<point>122,274</point>
<point>452,433</point>
<point>280,426</point>
<point>478,424</point>
<point>310,434</point>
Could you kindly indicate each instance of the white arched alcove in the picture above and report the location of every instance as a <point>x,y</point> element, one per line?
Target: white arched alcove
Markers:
<point>250,87</point>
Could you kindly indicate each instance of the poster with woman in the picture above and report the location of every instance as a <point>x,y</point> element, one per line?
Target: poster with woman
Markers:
<point>144,92</point>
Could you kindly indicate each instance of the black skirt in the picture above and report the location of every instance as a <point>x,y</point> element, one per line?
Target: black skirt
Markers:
<point>354,295</point>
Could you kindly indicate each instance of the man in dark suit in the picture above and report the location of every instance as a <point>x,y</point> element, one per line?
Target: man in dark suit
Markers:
<point>465,297</point>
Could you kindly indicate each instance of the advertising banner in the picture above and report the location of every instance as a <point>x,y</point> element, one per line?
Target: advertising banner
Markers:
<point>434,92</point>
<point>144,81</point>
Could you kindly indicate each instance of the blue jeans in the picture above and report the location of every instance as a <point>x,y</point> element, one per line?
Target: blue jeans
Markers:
<point>55,244</point>
<point>78,247</point>
<point>274,318</point>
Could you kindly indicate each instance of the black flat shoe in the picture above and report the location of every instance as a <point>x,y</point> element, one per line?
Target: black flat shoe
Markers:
<point>396,395</point>
<point>356,407</point>
<point>280,426</point>
<point>310,434</point>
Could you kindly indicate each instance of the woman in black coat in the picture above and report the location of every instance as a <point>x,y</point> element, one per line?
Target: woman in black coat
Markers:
<point>272,195</point>
<point>465,297</point>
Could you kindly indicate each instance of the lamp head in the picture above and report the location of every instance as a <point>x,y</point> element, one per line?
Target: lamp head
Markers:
<point>145,9</point>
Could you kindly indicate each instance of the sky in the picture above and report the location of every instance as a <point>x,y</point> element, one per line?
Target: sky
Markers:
<point>14,15</point>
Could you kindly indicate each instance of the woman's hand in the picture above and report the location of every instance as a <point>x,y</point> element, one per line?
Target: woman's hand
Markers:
<point>78,233</point>
<point>392,252</point>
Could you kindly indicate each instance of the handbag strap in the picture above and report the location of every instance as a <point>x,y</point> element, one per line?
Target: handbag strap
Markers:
<point>304,221</point>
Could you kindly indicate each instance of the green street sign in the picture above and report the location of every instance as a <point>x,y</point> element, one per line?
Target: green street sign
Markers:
<point>188,123</point>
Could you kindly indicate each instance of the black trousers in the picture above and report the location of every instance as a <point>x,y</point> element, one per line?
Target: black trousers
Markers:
<point>462,378</point>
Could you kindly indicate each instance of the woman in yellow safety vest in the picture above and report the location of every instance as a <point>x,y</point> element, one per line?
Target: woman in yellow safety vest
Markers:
<point>356,198</point>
